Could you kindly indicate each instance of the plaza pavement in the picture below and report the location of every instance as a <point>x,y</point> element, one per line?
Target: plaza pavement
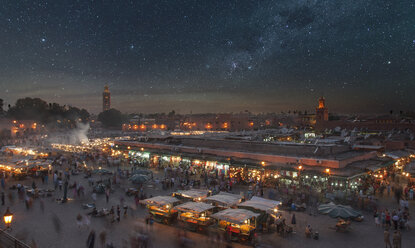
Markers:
<point>35,224</point>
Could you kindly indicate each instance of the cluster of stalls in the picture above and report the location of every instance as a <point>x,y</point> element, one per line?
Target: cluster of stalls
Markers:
<point>23,151</point>
<point>23,168</point>
<point>198,210</point>
<point>245,171</point>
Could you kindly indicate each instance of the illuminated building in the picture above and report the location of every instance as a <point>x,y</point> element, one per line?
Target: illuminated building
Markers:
<point>322,112</point>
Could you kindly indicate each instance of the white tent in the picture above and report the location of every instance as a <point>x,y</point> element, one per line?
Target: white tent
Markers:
<point>261,204</point>
<point>224,199</point>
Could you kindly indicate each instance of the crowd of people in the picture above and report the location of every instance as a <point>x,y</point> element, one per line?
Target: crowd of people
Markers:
<point>69,171</point>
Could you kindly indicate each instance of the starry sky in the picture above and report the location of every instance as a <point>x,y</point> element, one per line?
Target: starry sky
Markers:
<point>210,56</point>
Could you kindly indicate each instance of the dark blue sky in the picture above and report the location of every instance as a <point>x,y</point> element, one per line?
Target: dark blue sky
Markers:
<point>210,56</point>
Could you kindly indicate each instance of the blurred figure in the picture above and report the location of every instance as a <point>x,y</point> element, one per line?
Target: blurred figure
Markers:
<point>79,220</point>
<point>90,242</point>
<point>57,223</point>
<point>42,206</point>
<point>103,238</point>
<point>118,213</point>
<point>11,198</point>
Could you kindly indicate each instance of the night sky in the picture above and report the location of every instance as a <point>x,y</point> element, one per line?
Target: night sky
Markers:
<point>210,55</point>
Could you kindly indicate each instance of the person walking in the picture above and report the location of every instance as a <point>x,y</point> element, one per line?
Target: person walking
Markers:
<point>377,221</point>
<point>79,220</point>
<point>112,214</point>
<point>396,239</point>
<point>103,238</point>
<point>118,213</point>
<point>125,210</point>
<point>3,183</point>
<point>383,218</point>
<point>90,242</point>
<point>386,238</point>
<point>293,220</point>
<point>107,194</point>
<point>395,219</point>
<point>388,218</point>
<point>2,198</point>
<point>94,197</point>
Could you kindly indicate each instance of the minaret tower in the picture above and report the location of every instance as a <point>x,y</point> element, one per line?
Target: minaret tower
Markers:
<point>106,99</point>
<point>322,112</point>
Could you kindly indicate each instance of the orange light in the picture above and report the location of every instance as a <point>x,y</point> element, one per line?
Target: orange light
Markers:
<point>300,167</point>
<point>263,163</point>
<point>327,170</point>
<point>162,126</point>
<point>8,216</point>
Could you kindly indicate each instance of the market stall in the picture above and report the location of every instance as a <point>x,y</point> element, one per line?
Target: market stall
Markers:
<point>267,210</point>
<point>161,208</point>
<point>261,204</point>
<point>239,224</point>
<point>223,200</point>
<point>192,195</point>
<point>195,215</point>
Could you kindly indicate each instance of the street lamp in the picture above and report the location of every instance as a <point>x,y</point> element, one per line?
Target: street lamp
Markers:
<point>8,216</point>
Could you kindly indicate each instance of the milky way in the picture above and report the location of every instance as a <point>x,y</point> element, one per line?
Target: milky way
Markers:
<point>210,56</point>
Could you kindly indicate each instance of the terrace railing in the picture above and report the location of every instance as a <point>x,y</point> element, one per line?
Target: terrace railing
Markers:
<point>8,241</point>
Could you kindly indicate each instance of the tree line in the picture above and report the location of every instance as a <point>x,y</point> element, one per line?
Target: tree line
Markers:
<point>45,113</point>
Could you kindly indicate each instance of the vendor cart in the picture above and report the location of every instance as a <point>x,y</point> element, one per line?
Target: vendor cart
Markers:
<point>267,210</point>
<point>239,224</point>
<point>195,216</point>
<point>161,208</point>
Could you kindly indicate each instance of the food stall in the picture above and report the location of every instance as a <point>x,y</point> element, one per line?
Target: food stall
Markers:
<point>161,208</point>
<point>239,224</point>
<point>267,210</point>
<point>195,215</point>
<point>223,200</point>
<point>192,195</point>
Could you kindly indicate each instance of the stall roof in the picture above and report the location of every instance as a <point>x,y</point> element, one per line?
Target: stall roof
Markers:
<point>260,204</point>
<point>194,207</point>
<point>224,198</point>
<point>370,147</point>
<point>370,164</point>
<point>398,154</point>
<point>193,193</point>
<point>237,216</point>
<point>161,200</point>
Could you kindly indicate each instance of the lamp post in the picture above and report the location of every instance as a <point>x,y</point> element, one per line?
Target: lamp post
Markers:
<point>8,217</point>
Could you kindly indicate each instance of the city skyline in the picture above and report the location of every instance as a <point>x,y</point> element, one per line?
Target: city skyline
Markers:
<point>215,56</point>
